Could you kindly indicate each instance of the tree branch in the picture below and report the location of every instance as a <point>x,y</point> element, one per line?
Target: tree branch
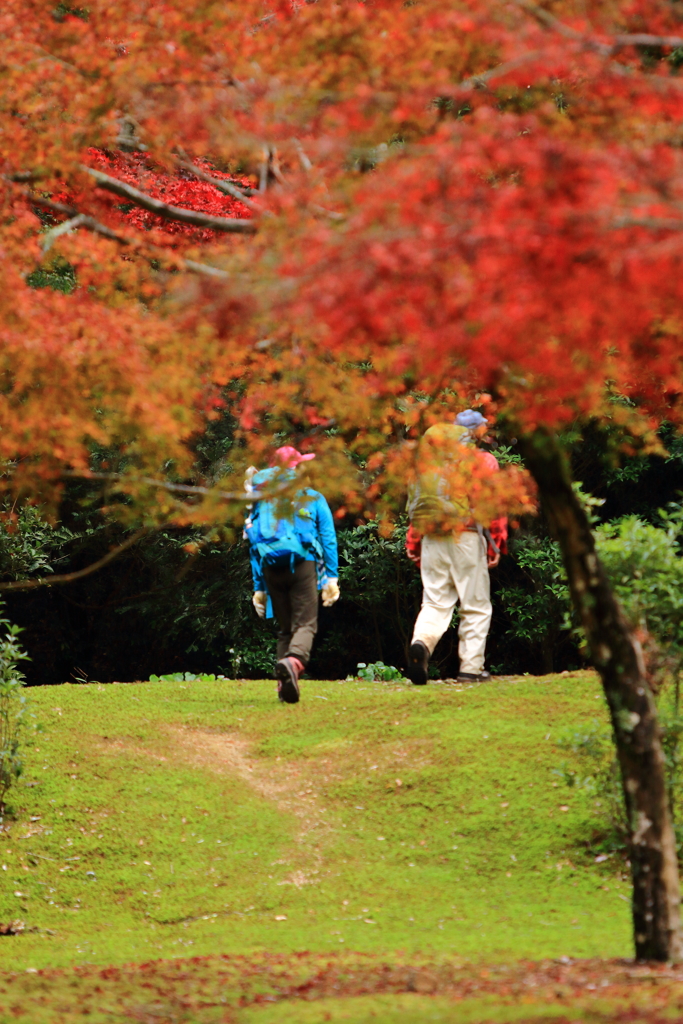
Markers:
<point>174,488</point>
<point>645,39</point>
<point>550,21</point>
<point>69,577</point>
<point>655,223</point>
<point>20,176</point>
<point>82,220</point>
<point>202,220</point>
<point>606,49</point>
<point>226,187</point>
<point>204,268</point>
<point>50,204</point>
<point>480,81</point>
<point>60,229</point>
<point>239,496</point>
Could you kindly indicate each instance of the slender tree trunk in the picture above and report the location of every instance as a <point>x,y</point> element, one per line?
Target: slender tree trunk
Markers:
<point>618,659</point>
<point>547,652</point>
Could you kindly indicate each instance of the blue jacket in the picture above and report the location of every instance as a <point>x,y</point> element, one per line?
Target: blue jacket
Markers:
<point>328,566</point>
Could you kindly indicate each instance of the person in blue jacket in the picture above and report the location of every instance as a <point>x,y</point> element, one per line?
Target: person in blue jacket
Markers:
<point>293,555</point>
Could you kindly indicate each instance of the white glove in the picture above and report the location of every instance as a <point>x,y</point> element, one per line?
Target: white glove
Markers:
<point>247,479</point>
<point>259,601</point>
<point>330,593</point>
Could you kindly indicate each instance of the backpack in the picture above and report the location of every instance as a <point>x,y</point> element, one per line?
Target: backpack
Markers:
<point>283,540</point>
<point>432,508</point>
<point>430,511</point>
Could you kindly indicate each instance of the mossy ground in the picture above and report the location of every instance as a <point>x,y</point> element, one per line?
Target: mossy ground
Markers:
<point>166,820</point>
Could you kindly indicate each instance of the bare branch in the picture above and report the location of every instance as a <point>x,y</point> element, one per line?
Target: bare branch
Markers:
<point>101,229</point>
<point>206,269</point>
<point>21,176</point>
<point>606,49</point>
<point>91,224</point>
<point>61,229</point>
<point>655,223</point>
<point>550,21</point>
<point>69,577</point>
<point>226,187</point>
<point>303,159</point>
<point>165,485</point>
<point>82,220</point>
<point>263,170</point>
<point>645,39</point>
<point>482,80</point>
<point>316,208</point>
<point>270,168</point>
<point>177,213</point>
<point>50,204</point>
<point>239,496</point>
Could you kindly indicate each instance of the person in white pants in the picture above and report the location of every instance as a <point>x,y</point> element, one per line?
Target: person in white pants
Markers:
<point>455,570</point>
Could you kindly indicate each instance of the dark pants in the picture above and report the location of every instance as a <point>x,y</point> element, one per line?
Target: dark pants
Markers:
<point>294,596</point>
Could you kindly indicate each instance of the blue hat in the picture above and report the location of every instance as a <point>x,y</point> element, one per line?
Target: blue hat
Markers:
<point>470,418</point>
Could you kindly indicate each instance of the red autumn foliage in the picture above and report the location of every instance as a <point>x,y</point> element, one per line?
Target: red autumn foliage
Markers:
<point>482,195</point>
<point>459,200</point>
<point>179,188</point>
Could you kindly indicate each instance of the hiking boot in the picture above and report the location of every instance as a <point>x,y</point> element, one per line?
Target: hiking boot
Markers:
<point>474,677</point>
<point>418,663</point>
<point>287,672</point>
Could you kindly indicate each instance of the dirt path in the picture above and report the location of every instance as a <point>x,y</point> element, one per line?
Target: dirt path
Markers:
<point>282,783</point>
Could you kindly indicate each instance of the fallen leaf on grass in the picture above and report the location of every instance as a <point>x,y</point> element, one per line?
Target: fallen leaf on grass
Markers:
<point>12,928</point>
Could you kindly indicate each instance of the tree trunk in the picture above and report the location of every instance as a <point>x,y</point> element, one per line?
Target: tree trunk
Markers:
<point>618,659</point>
<point>547,654</point>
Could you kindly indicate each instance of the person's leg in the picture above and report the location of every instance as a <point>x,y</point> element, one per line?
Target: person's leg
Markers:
<point>439,594</point>
<point>303,597</point>
<point>438,601</point>
<point>294,595</point>
<point>279,583</point>
<point>471,578</point>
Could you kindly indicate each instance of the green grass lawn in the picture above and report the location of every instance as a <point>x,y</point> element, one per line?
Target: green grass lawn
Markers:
<point>167,820</point>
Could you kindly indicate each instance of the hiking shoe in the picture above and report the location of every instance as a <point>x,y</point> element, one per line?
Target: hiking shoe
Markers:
<point>474,677</point>
<point>287,673</point>
<point>418,663</point>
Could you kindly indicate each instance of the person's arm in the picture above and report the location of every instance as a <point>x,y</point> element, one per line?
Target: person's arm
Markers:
<point>328,538</point>
<point>414,545</point>
<point>499,532</point>
<point>256,570</point>
<point>498,528</point>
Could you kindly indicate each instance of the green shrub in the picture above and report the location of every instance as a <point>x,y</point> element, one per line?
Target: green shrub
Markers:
<point>378,672</point>
<point>184,677</point>
<point>381,592</point>
<point>33,547</point>
<point>645,568</point>
<point>536,603</point>
<point>12,707</point>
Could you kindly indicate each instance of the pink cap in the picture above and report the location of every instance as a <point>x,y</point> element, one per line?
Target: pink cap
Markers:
<point>290,457</point>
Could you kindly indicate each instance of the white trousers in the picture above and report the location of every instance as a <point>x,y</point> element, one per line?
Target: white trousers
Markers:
<point>455,569</point>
